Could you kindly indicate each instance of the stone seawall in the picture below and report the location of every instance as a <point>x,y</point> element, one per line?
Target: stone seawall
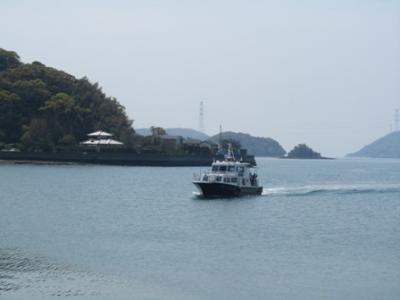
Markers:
<point>127,159</point>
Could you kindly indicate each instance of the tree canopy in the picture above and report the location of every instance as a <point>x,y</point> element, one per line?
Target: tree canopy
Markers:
<point>258,146</point>
<point>43,109</point>
<point>157,131</point>
<point>8,59</point>
<point>303,151</point>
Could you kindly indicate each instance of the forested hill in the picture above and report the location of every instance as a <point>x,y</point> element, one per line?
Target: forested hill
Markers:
<point>258,146</point>
<point>184,132</point>
<point>385,147</point>
<point>42,108</point>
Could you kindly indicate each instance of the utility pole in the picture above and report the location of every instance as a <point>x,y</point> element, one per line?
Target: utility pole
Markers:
<point>201,117</point>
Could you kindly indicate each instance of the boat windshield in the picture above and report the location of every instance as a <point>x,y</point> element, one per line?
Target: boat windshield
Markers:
<point>223,168</point>
<point>231,169</point>
<point>241,171</point>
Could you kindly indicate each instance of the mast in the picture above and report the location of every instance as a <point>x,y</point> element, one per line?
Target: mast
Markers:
<point>230,155</point>
<point>220,137</point>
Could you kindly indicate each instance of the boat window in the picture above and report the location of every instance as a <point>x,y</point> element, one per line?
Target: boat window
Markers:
<point>240,171</point>
<point>222,168</point>
<point>205,178</point>
<point>231,168</point>
<point>219,178</point>
<point>215,168</point>
<point>234,179</point>
<point>226,179</point>
<point>244,181</point>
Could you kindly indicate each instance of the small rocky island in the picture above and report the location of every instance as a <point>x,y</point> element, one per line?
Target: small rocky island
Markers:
<point>302,151</point>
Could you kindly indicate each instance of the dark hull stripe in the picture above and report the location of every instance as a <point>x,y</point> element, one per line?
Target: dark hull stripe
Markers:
<point>216,189</point>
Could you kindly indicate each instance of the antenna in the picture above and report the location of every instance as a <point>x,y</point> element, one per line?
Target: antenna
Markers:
<point>201,117</point>
<point>396,119</point>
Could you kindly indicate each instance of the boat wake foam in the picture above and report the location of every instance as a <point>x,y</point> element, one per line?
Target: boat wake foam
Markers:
<point>197,194</point>
<point>332,189</point>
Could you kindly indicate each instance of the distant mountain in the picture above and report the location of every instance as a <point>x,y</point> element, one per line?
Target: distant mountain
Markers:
<point>143,131</point>
<point>258,146</point>
<point>385,147</point>
<point>184,132</point>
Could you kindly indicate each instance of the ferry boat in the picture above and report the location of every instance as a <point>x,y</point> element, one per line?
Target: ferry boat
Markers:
<point>228,178</point>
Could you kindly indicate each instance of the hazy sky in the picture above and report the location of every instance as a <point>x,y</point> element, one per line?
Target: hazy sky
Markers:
<point>325,73</point>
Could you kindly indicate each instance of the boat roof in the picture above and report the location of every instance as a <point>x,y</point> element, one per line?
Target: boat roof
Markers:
<point>101,142</point>
<point>230,163</point>
<point>100,133</point>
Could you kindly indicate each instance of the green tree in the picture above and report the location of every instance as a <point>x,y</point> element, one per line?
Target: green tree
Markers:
<point>33,93</point>
<point>37,97</point>
<point>8,59</point>
<point>38,136</point>
<point>64,113</point>
<point>10,117</point>
<point>157,131</point>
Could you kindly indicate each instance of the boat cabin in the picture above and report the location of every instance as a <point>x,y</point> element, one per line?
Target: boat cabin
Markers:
<point>228,178</point>
<point>231,172</point>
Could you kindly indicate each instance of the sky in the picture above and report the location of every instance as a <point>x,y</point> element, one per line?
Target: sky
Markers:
<point>325,73</point>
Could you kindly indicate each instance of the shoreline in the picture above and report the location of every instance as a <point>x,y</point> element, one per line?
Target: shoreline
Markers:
<point>310,158</point>
<point>35,162</point>
<point>104,158</point>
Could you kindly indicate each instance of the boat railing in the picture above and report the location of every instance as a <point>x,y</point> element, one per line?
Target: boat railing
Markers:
<point>197,176</point>
<point>214,177</point>
<point>200,176</point>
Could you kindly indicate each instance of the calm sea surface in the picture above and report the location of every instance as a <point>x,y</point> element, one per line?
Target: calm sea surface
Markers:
<point>321,230</point>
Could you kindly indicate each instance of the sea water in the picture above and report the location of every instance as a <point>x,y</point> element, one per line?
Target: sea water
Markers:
<point>322,229</point>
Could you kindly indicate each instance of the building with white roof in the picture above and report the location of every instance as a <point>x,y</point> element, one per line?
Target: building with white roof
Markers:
<point>100,134</point>
<point>101,139</point>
